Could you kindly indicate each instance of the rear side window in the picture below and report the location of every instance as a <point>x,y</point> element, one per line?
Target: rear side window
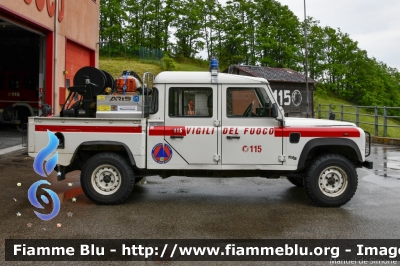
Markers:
<point>154,101</point>
<point>190,102</point>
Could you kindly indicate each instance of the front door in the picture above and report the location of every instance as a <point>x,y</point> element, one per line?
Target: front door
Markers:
<point>248,130</point>
<point>191,124</point>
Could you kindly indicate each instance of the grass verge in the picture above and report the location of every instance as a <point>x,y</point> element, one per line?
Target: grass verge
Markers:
<point>366,115</point>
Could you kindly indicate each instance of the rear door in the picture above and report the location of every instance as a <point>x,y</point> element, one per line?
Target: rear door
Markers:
<point>191,124</point>
<point>248,130</point>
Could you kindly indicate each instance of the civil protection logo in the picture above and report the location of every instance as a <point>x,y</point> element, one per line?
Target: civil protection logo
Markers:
<point>161,153</point>
<point>44,169</point>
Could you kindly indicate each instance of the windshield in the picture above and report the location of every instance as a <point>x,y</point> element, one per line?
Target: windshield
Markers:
<point>262,94</point>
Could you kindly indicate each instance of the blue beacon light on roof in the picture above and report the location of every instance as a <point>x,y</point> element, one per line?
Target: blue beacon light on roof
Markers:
<point>214,70</point>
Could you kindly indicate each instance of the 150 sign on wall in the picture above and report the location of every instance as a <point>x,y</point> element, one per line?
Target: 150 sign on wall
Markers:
<point>285,97</point>
<point>51,7</point>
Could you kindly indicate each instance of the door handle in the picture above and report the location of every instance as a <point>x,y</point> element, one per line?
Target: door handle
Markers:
<point>233,137</point>
<point>176,137</point>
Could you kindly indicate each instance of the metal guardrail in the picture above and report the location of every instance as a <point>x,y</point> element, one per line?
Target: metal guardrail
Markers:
<point>329,111</point>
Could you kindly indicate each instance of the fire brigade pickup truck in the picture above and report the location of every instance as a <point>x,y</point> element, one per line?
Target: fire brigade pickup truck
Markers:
<point>194,124</point>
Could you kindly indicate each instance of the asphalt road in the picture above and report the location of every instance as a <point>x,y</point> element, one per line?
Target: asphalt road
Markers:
<point>10,136</point>
<point>204,208</point>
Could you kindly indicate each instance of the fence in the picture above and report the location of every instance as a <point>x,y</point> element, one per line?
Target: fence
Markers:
<point>121,50</point>
<point>150,54</point>
<point>375,116</point>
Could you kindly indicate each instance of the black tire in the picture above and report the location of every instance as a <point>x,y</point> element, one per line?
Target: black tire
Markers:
<point>8,113</point>
<point>296,180</point>
<point>331,180</point>
<point>118,178</point>
<point>23,114</point>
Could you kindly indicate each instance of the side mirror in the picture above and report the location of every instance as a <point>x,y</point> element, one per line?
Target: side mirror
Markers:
<point>46,110</point>
<point>274,110</point>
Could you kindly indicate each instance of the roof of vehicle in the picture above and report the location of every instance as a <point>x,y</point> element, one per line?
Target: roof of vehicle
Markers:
<point>191,77</point>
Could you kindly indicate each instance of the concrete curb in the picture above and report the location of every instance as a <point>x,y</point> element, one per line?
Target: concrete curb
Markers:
<point>386,141</point>
<point>11,149</point>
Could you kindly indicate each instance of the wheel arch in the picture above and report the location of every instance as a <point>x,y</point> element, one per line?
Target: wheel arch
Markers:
<point>346,147</point>
<point>92,147</point>
<point>24,105</point>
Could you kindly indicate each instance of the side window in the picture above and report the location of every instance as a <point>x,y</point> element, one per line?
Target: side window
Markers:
<point>247,102</point>
<point>14,82</point>
<point>190,102</point>
<point>31,81</point>
<point>154,101</point>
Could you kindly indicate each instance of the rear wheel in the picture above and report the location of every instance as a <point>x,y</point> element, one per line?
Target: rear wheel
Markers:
<point>331,180</point>
<point>107,178</point>
<point>8,113</point>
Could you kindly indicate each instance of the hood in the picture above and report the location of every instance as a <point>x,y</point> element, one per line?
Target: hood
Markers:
<point>298,122</point>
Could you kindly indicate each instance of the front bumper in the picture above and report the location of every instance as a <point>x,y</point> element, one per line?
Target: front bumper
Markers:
<point>368,164</point>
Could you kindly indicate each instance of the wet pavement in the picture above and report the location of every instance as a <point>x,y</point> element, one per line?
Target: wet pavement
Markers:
<point>387,166</point>
<point>10,136</point>
<point>206,208</point>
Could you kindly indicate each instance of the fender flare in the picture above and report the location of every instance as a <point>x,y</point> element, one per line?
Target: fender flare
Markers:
<point>108,143</point>
<point>24,105</point>
<point>327,142</point>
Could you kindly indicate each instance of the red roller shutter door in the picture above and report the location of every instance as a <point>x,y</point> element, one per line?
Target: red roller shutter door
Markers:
<point>76,57</point>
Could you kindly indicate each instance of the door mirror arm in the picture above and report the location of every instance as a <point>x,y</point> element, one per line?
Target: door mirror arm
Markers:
<point>275,114</point>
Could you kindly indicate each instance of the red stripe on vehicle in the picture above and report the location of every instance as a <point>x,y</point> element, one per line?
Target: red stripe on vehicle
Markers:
<point>167,131</point>
<point>156,131</point>
<point>318,132</point>
<point>97,129</point>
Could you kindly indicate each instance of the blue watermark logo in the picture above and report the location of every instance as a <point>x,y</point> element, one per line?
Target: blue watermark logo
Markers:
<point>44,169</point>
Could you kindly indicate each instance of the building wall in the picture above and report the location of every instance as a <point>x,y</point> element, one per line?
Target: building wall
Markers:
<point>283,92</point>
<point>78,22</point>
<point>287,95</point>
<point>29,11</point>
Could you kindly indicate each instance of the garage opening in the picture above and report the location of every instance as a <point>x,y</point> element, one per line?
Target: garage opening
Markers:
<point>21,72</point>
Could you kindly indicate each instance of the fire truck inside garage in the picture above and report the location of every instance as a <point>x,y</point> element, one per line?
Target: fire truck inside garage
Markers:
<point>21,62</point>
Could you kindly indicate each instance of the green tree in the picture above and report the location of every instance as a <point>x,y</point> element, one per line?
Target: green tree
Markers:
<point>188,29</point>
<point>233,50</point>
<point>209,12</point>
<point>278,35</point>
<point>315,44</point>
<point>112,18</point>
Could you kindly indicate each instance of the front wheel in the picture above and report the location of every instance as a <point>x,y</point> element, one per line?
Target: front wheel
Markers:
<point>107,178</point>
<point>331,180</point>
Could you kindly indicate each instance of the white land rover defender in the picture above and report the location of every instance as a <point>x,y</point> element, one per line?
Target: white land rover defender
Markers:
<point>194,124</point>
